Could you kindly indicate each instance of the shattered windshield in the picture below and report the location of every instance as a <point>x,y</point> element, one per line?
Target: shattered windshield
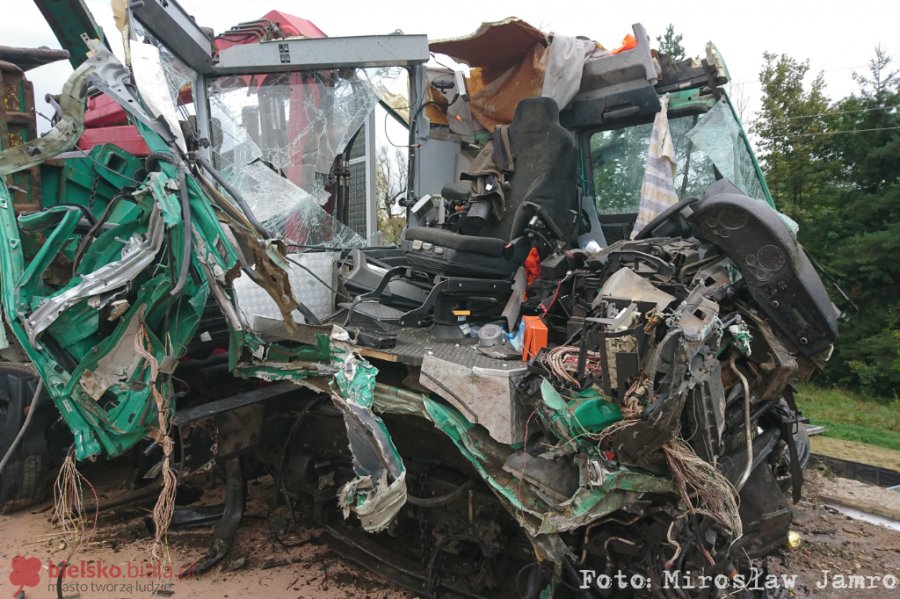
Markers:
<point>703,143</point>
<point>276,137</point>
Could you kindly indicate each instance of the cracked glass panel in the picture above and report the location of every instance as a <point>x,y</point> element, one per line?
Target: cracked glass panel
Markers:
<point>718,135</point>
<point>287,211</point>
<point>180,78</point>
<point>619,157</point>
<point>703,143</point>
<point>276,137</point>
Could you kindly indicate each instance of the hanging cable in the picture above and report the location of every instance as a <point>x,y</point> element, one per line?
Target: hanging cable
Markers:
<point>32,408</point>
<point>748,434</point>
<point>234,193</point>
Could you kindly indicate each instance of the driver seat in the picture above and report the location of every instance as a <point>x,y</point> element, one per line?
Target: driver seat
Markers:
<point>543,182</point>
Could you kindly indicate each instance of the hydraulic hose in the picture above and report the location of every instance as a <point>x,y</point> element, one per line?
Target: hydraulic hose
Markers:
<point>748,434</point>
<point>234,193</point>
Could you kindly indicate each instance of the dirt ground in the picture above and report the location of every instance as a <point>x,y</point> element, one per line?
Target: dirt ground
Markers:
<point>834,547</point>
<point>300,565</point>
<point>297,565</point>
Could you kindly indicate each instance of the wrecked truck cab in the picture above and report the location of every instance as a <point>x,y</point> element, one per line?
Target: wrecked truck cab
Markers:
<point>528,386</point>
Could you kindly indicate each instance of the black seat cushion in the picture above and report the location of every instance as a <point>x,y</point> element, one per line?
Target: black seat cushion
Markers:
<point>487,246</point>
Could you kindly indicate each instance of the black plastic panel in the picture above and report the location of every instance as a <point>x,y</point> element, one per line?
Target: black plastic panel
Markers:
<point>778,273</point>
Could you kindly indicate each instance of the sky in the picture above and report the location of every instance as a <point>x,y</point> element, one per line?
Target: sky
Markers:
<point>836,37</point>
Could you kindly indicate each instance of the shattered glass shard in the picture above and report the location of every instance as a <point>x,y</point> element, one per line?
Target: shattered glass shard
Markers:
<point>287,211</point>
<point>276,137</point>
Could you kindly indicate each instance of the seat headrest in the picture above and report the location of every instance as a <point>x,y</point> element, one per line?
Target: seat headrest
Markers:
<point>535,114</point>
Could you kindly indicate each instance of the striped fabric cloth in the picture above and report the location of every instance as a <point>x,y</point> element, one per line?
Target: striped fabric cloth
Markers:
<point>658,185</point>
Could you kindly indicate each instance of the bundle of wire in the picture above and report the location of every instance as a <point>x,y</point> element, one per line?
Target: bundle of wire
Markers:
<point>703,489</point>
<point>165,504</point>
<point>561,363</point>
<point>68,506</point>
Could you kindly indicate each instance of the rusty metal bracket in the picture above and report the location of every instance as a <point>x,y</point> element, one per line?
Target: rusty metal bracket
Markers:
<point>235,501</point>
<point>225,428</point>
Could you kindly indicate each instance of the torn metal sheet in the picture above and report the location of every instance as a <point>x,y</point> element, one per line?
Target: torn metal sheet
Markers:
<point>498,45</point>
<point>116,367</point>
<point>587,414</point>
<point>126,252</point>
<point>114,80</point>
<point>312,277</point>
<point>533,513</point>
<point>698,316</point>
<point>600,491</point>
<point>137,254</point>
<point>379,489</point>
<point>626,284</point>
<point>486,396</point>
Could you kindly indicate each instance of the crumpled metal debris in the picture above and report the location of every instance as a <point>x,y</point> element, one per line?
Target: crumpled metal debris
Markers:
<point>627,445</point>
<point>379,490</point>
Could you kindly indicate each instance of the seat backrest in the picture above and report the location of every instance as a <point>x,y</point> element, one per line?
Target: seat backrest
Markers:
<point>545,169</point>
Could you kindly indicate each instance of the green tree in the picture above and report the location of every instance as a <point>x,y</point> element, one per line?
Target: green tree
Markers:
<point>865,141</point>
<point>670,44</point>
<point>789,127</point>
<point>881,80</point>
<point>390,185</point>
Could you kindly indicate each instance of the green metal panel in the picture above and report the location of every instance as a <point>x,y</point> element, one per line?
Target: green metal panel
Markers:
<point>73,24</point>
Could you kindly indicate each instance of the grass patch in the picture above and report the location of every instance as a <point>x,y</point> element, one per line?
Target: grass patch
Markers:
<point>852,416</point>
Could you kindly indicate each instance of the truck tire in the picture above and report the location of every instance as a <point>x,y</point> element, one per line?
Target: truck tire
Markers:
<point>27,477</point>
